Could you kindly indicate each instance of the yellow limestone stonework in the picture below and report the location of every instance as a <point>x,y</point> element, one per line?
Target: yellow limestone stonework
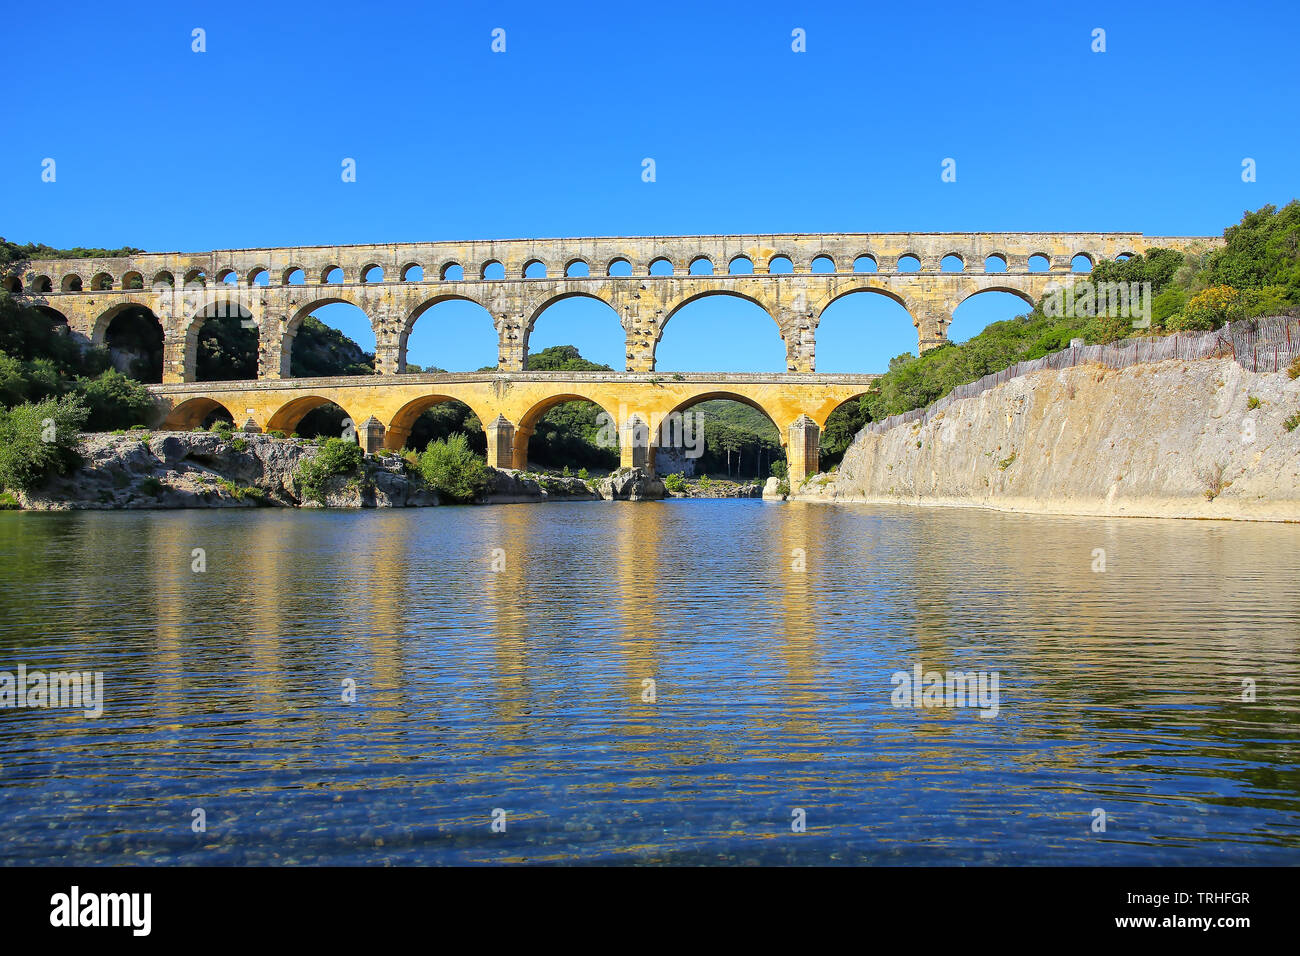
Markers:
<point>383,408</point>
<point>645,281</point>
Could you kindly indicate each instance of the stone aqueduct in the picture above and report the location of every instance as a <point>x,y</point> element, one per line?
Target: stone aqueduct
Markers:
<point>644,280</point>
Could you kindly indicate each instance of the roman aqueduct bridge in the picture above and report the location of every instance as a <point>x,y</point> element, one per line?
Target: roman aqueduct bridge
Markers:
<point>794,278</point>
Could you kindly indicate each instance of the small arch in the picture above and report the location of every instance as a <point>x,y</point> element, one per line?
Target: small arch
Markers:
<point>661,267</point>
<point>71,283</point>
<point>780,265</point>
<point>535,269</point>
<point>1082,262</point>
<point>228,277</point>
<point>493,270</point>
<point>700,266</point>
<point>133,281</point>
<point>13,285</point>
<point>412,272</point>
<point>196,277</point>
<point>259,276</point>
<point>952,262</point>
<point>293,276</point>
<point>995,262</point>
<point>619,267</point>
<point>372,274</point>
<point>1039,262</point>
<point>908,262</point>
<point>740,266</point>
<point>41,285</point>
<point>1124,256</point>
<point>823,265</point>
<point>164,278</point>
<point>577,269</point>
<point>866,263</point>
<point>101,282</point>
<point>331,275</point>
<point>452,272</point>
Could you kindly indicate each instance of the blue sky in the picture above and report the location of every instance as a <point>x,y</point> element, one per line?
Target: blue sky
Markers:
<point>160,147</point>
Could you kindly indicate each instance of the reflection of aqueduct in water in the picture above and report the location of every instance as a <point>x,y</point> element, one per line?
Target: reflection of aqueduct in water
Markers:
<point>794,278</point>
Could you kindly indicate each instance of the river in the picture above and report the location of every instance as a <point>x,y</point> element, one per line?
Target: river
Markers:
<point>705,681</point>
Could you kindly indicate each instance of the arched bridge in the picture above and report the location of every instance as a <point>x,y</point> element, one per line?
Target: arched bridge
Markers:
<point>384,408</point>
<point>794,278</point>
<point>644,280</point>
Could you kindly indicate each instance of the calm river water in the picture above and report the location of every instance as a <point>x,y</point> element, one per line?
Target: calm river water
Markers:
<point>515,680</point>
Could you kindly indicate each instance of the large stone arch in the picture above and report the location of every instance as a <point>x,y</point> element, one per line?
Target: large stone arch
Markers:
<point>287,416</point>
<point>672,426</point>
<point>535,310</point>
<point>234,306</point>
<point>99,328</point>
<point>676,307</point>
<point>190,414</point>
<point>423,306</point>
<point>876,287</point>
<point>1023,294</point>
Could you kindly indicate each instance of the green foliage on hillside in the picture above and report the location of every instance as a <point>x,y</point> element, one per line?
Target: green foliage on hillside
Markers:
<point>38,361</point>
<point>562,358</point>
<point>12,252</point>
<point>1256,273</point>
<point>319,351</point>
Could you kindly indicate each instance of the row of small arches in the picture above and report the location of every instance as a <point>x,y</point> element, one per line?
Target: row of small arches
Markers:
<point>534,269</point>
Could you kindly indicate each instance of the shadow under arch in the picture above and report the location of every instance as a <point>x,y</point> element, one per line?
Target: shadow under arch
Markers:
<point>404,419</point>
<point>675,432</point>
<point>778,358</point>
<point>607,421</point>
<point>192,412</point>
<point>288,415</point>
<point>425,305</point>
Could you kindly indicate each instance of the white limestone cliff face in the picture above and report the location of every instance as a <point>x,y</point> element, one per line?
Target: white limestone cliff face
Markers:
<point>1172,439</point>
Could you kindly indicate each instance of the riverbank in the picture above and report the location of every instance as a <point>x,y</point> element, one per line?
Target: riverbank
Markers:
<point>1174,439</point>
<point>167,470</point>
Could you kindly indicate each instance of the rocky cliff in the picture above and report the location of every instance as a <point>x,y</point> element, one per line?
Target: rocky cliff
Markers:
<point>1204,439</point>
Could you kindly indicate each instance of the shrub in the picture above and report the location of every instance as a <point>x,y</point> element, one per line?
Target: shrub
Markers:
<point>781,469</point>
<point>276,433</point>
<point>239,444</point>
<point>582,474</point>
<point>453,470</point>
<point>1293,370</point>
<point>151,486</point>
<point>1252,401</point>
<point>1212,307</point>
<point>337,456</point>
<point>223,429</point>
<point>1292,422</point>
<point>114,401</point>
<point>675,483</point>
<point>39,439</point>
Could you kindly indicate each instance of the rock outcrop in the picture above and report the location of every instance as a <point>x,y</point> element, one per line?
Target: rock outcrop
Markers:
<point>631,485</point>
<point>205,470</point>
<point>507,486</point>
<point>1195,439</point>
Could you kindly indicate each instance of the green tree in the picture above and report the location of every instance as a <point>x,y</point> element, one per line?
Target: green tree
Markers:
<point>39,439</point>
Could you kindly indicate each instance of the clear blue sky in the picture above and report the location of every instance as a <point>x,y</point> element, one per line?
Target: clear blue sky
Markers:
<point>160,147</point>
